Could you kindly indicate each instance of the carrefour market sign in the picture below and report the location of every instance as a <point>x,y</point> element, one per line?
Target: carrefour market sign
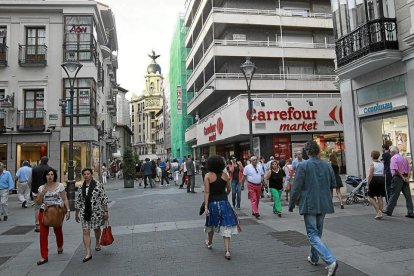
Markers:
<point>299,120</point>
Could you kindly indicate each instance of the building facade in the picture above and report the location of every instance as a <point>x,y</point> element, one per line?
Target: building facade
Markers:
<point>294,95</point>
<point>179,96</point>
<point>34,89</point>
<point>374,48</point>
<point>144,109</point>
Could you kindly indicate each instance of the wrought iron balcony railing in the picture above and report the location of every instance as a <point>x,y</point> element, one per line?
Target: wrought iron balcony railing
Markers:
<point>31,120</point>
<point>32,55</point>
<point>376,35</point>
<point>3,55</point>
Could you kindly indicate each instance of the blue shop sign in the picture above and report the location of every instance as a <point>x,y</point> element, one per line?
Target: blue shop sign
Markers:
<point>378,107</point>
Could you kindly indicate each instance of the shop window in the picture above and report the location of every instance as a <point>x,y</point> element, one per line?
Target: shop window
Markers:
<point>84,102</point>
<point>31,152</point>
<point>3,154</point>
<point>81,160</point>
<point>386,89</point>
<point>80,43</point>
<point>332,142</point>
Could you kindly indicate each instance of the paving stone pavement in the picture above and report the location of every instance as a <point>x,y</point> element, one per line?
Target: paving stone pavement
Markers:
<point>158,232</point>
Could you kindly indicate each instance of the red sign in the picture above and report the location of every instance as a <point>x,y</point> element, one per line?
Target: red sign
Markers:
<point>220,125</point>
<point>78,29</point>
<point>179,99</point>
<point>336,115</point>
<point>213,128</point>
<point>304,116</point>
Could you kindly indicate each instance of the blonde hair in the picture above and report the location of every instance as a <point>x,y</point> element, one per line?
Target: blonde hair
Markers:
<point>333,159</point>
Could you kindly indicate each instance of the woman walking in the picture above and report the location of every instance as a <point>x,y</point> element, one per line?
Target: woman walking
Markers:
<point>104,173</point>
<point>287,185</point>
<point>376,184</point>
<point>91,210</point>
<point>236,180</point>
<point>220,217</point>
<point>274,177</point>
<point>339,184</point>
<point>51,193</point>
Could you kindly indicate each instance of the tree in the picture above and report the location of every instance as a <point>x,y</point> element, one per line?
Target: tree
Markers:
<point>129,164</point>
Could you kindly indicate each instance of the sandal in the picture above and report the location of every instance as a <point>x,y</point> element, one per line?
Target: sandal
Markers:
<point>209,246</point>
<point>228,255</point>
<point>98,249</point>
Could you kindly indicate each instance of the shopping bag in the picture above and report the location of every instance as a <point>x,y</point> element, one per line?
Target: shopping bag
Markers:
<point>106,237</point>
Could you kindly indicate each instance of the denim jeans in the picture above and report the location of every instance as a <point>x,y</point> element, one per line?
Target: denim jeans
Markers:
<point>235,193</point>
<point>314,228</point>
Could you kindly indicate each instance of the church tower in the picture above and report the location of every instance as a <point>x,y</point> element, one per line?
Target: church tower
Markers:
<point>144,108</point>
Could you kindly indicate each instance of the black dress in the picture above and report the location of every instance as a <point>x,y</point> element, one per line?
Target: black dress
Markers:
<point>338,179</point>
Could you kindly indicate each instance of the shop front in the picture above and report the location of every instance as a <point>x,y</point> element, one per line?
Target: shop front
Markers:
<point>280,128</point>
<point>31,152</point>
<point>3,154</point>
<point>85,155</point>
<point>384,122</point>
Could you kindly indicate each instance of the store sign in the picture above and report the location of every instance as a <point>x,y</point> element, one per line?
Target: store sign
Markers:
<point>78,29</point>
<point>378,107</point>
<point>53,117</point>
<point>211,130</point>
<point>179,99</point>
<point>306,118</point>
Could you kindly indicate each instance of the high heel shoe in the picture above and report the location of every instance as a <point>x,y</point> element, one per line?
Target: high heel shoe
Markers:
<point>228,255</point>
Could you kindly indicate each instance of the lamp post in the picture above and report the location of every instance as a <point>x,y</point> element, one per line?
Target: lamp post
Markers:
<point>71,69</point>
<point>248,69</point>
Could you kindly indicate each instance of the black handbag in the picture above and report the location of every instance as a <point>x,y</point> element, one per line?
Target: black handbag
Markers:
<point>202,208</point>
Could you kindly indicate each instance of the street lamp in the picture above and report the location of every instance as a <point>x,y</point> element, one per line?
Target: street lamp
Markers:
<point>71,68</point>
<point>248,69</point>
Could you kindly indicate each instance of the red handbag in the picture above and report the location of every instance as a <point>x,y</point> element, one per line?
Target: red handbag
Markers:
<point>106,237</point>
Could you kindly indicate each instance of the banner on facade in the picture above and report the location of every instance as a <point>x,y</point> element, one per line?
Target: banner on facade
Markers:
<point>179,99</point>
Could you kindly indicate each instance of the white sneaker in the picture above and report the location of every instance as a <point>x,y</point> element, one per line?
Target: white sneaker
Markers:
<point>312,262</point>
<point>162,185</point>
<point>332,268</point>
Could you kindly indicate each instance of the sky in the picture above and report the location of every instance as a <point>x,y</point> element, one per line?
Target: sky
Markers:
<point>143,26</point>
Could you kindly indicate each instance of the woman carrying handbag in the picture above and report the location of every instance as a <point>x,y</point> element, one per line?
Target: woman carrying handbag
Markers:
<point>53,207</point>
<point>91,210</point>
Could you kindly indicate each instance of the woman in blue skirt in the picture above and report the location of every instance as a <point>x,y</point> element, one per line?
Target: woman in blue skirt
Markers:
<point>220,216</point>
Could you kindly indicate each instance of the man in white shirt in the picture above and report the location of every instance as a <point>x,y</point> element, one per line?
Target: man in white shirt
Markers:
<point>24,176</point>
<point>253,173</point>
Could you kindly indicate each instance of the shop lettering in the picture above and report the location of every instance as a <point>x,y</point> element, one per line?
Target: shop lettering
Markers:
<point>378,107</point>
<point>290,114</point>
<point>210,129</point>
<point>78,29</point>
<point>304,126</point>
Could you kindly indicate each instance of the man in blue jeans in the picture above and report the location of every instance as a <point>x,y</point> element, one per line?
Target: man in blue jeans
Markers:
<point>313,182</point>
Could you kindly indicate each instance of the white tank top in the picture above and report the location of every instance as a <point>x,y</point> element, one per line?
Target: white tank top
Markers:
<point>378,168</point>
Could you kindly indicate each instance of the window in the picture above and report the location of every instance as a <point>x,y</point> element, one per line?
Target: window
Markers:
<point>80,43</point>
<point>3,46</point>
<point>84,103</point>
<point>35,50</point>
<point>34,104</point>
<point>2,113</point>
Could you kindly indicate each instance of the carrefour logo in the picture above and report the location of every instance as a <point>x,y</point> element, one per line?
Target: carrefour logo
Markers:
<point>378,107</point>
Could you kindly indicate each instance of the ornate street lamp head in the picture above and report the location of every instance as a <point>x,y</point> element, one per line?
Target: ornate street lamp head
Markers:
<point>71,66</point>
<point>248,68</point>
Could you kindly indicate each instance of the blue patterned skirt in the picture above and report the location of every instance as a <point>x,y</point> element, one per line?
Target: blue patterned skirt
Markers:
<point>222,218</point>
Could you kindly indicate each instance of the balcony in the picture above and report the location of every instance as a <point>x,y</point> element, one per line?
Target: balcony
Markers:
<point>32,55</point>
<point>3,55</point>
<point>29,120</point>
<point>230,84</point>
<point>365,43</point>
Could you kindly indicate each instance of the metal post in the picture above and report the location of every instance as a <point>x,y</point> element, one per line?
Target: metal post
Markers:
<point>71,66</point>
<point>250,119</point>
<point>71,168</point>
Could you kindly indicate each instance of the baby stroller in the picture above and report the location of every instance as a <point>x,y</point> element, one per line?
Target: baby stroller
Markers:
<point>359,193</point>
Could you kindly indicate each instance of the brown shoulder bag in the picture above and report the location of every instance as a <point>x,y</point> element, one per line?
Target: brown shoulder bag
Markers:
<point>54,215</point>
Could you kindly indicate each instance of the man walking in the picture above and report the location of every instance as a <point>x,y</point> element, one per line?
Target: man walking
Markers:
<point>147,171</point>
<point>203,166</point>
<point>6,184</point>
<point>24,176</point>
<point>189,164</point>
<point>253,173</point>
<point>37,181</point>
<point>400,170</point>
<point>313,183</point>
<point>165,167</point>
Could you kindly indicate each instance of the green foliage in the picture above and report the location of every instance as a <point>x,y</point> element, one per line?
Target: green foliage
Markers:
<point>129,164</point>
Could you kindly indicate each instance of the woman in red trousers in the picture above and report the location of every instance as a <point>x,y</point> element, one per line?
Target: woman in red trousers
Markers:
<point>51,193</point>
